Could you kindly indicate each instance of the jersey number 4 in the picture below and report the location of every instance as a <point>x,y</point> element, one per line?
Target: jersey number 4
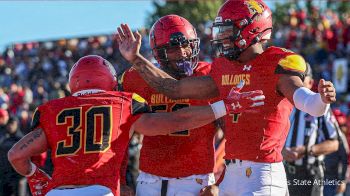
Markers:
<point>93,126</point>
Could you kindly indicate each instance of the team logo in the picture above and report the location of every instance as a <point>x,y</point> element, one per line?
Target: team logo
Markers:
<point>236,106</point>
<point>247,67</point>
<point>254,7</point>
<point>248,172</point>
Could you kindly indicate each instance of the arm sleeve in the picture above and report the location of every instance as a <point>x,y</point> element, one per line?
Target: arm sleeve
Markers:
<point>292,64</point>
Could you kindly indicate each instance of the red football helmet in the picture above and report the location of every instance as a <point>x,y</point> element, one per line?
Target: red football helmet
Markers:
<point>92,72</point>
<point>173,31</point>
<point>240,24</point>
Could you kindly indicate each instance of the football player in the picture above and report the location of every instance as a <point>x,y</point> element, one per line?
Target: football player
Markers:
<point>182,162</point>
<point>254,140</point>
<point>88,132</point>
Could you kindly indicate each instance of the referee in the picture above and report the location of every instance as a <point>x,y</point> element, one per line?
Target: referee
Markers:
<point>309,139</point>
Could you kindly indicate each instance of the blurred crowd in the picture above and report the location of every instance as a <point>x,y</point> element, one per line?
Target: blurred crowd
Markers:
<point>35,72</point>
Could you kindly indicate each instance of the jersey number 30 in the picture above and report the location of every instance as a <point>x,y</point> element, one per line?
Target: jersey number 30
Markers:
<point>73,143</point>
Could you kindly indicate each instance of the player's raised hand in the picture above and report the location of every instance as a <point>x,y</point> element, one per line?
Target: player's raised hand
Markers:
<point>129,42</point>
<point>327,91</point>
<point>237,102</point>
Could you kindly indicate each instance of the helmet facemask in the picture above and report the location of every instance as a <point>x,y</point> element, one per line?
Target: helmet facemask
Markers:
<point>185,65</point>
<point>225,35</point>
<point>228,41</point>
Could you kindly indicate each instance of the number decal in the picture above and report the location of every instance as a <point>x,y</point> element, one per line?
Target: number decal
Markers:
<point>73,131</point>
<point>177,106</point>
<point>91,145</point>
<point>98,121</point>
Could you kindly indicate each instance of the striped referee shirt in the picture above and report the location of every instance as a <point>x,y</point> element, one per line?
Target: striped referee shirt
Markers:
<point>308,130</point>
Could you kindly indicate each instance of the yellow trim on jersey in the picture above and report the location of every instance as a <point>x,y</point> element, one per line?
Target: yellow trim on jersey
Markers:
<point>33,115</point>
<point>138,98</point>
<point>293,62</point>
<point>121,80</point>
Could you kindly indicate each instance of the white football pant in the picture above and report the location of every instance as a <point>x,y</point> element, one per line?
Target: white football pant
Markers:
<point>93,190</point>
<point>254,179</point>
<point>150,185</point>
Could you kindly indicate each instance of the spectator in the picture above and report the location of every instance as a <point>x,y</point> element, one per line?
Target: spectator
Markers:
<point>10,180</point>
<point>4,117</point>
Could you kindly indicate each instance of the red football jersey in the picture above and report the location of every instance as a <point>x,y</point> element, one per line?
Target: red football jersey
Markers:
<point>259,136</point>
<point>185,153</point>
<point>88,136</point>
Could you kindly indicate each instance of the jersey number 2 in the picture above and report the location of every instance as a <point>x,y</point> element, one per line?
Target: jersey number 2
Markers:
<point>73,144</point>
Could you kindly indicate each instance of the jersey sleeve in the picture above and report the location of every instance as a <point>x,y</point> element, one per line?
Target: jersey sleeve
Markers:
<point>35,120</point>
<point>292,64</point>
<point>121,81</point>
<point>37,123</point>
<point>138,107</point>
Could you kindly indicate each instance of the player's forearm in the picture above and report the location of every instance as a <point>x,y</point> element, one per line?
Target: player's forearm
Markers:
<point>325,147</point>
<point>22,166</point>
<point>30,145</point>
<point>192,117</point>
<point>202,87</point>
<point>156,78</point>
<point>164,123</point>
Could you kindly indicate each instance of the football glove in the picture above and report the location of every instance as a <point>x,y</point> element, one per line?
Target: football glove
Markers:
<point>238,102</point>
<point>39,182</point>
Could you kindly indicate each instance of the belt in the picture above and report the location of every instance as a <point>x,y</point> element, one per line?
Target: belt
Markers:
<point>71,186</point>
<point>164,188</point>
<point>233,161</point>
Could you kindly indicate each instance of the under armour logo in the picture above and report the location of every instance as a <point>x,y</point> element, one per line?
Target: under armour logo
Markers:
<point>237,106</point>
<point>247,67</point>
